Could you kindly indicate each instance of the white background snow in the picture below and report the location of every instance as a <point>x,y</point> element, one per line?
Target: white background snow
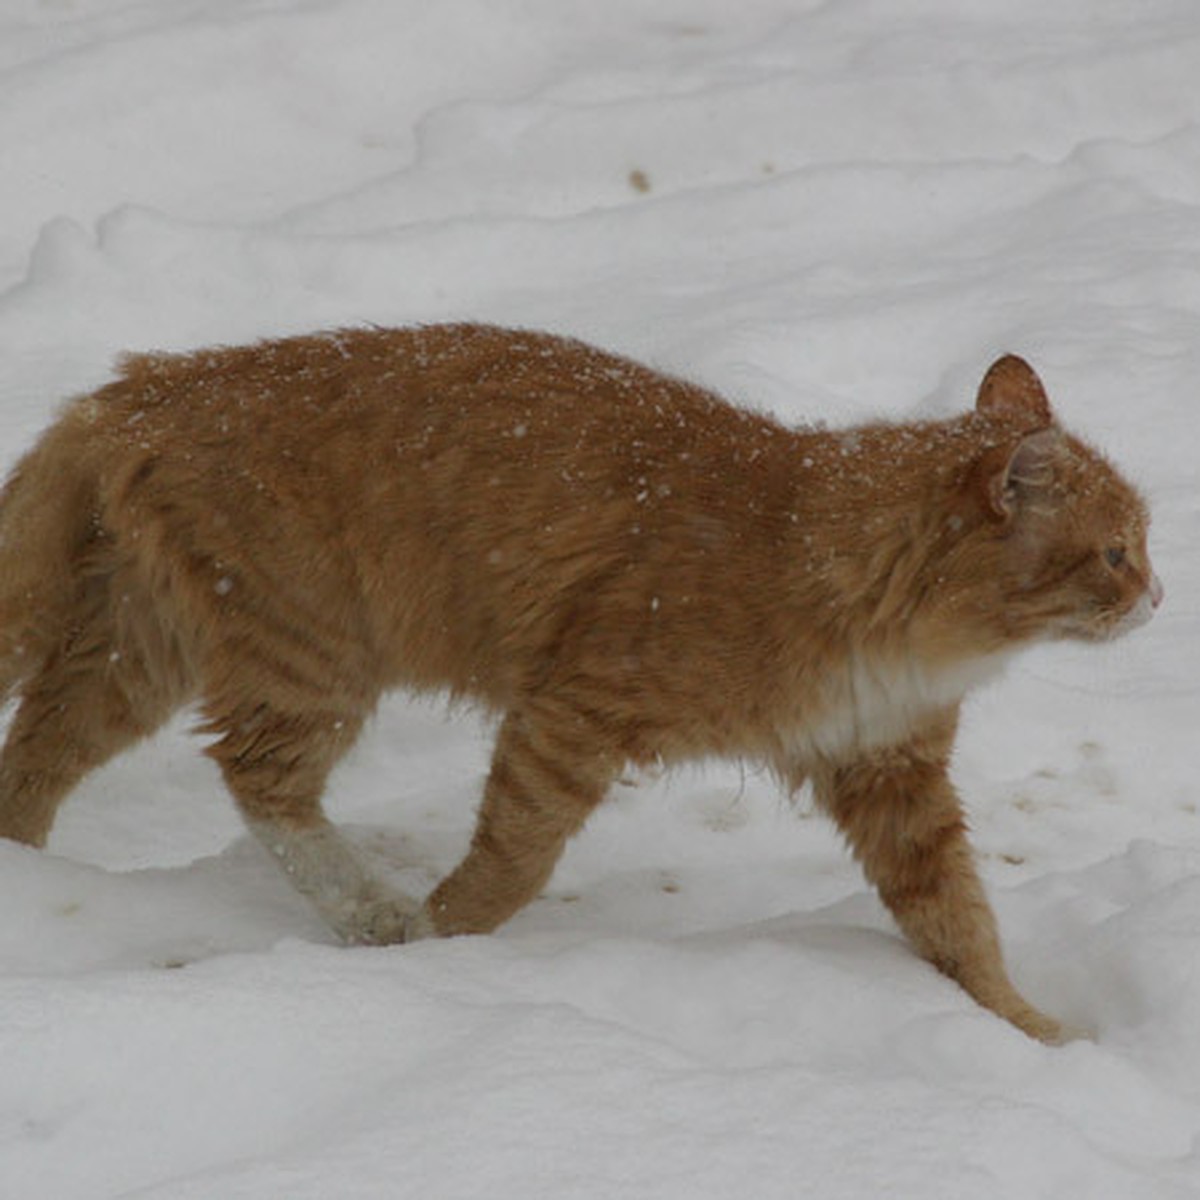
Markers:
<point>833,211</point>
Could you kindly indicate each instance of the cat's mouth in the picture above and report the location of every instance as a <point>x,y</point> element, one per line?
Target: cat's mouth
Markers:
<point>1110,625</point>
<point>1145,607</point>
<point>1136,617</point>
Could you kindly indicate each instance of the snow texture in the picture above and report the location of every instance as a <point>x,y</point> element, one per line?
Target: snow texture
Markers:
<point>827,210</point>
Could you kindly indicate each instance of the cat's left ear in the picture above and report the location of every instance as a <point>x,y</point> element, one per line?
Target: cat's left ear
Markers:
<point>1011,389</point>
<point>1013,476</point>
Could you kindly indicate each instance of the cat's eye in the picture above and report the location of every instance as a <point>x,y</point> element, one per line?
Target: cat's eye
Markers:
<point>1114,556</point>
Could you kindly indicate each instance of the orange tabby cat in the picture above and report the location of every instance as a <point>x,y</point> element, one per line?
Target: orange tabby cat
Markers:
<point>621,564</point>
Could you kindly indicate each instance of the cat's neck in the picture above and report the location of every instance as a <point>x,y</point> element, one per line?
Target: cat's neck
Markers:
<point>875,510</point>
<point>881,601</point>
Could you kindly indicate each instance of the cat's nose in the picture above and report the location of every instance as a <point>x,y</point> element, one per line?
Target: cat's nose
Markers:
<point>1156,591</point>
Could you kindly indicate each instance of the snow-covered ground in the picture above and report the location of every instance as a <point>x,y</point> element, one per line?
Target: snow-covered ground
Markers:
<point>831,210</point>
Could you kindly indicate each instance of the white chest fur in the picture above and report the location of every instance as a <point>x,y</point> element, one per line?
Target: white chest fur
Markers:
<point>867,705</point>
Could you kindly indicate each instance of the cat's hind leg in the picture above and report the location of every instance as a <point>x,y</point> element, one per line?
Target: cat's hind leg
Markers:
<point>549,771</point>
<point>899,812</point>
<point>276,764</point>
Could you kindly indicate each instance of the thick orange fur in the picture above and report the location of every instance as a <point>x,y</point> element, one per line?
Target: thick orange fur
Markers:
<point>621,565</point>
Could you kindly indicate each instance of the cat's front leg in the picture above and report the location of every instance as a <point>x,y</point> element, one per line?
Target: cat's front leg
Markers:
<point>904,822</point>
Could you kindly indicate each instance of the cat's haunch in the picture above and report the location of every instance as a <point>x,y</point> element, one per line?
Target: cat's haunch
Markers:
<point>620,565</point>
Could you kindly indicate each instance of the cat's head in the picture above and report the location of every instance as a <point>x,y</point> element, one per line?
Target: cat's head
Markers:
<point>1066,532</point>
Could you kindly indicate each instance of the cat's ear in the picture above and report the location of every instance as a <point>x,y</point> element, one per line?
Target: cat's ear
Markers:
<point>1009,477</point>
<point>1012,389</point>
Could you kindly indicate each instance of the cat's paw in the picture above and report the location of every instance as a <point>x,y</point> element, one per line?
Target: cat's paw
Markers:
<point>1064,1032</point>
<point>1050,1031</point>
<point>388,922</point>
<point>379,921</point>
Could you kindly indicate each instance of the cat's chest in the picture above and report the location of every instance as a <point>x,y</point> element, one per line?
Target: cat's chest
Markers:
<point>866,705</point>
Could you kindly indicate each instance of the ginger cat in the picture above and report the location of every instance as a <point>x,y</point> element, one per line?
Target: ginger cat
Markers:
<point>620,564</point>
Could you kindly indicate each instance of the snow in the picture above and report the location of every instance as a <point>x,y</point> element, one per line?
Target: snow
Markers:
<point>826,210</point>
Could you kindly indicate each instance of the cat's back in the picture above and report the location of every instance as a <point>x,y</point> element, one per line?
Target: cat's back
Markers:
<point>350,418</point>
<point>462,372</point>
<point>450,492</point>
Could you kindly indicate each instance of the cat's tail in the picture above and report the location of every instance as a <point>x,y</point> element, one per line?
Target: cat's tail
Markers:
<point>48,520</point>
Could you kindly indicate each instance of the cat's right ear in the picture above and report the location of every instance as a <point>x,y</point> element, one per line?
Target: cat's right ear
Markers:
<point>1011,476</point>
<point>1011,389</point>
